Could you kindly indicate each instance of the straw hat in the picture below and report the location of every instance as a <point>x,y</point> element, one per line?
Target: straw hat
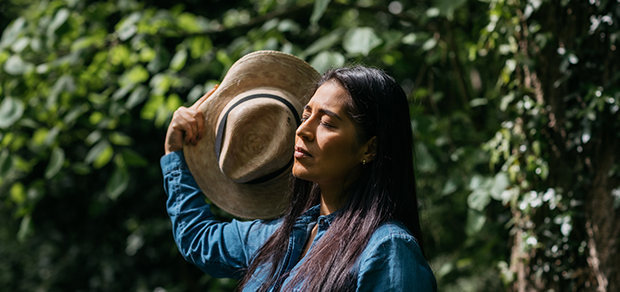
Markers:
<point>243,162</point>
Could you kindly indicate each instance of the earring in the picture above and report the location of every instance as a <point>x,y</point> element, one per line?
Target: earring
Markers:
<point>364,162</point>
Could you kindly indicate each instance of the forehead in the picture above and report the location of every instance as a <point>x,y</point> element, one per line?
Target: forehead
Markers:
<point>330,95</point>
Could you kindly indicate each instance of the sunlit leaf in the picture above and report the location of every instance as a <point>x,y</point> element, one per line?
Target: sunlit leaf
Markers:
<point>319,8</point>
<point>18,193</point>
<point>478,199</point>
<point>361,40</point>
<point>60,18</point>
<point>57,159</point>
<point>199,46</point>
<point>119,138</point>
<point>14,65</point>
<point>11,110</point>
<point>12,32</point>
<point>100,154</point>
<point>500,183</point>
<point>178,60</point>
<point>326,60</point>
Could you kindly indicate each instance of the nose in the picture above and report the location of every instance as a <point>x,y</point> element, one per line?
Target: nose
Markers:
<point>304,131</point>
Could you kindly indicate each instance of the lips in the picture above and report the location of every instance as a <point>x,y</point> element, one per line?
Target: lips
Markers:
<point>301,152</point>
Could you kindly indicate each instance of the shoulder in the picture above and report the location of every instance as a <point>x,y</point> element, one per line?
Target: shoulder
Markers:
<point>392,229</point>
<point>393,261</point>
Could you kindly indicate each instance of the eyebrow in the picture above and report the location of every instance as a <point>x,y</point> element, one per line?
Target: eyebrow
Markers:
<point>324,111</point>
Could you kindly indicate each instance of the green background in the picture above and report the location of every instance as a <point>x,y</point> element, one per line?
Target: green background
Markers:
<point>514,108</point>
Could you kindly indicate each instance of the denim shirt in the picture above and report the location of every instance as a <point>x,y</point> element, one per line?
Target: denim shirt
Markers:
<point>391,261</point>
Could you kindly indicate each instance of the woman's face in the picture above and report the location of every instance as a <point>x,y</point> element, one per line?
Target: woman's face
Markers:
<point>326,149</point>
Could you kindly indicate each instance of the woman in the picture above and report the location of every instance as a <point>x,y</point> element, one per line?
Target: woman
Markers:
<point>352,222</point>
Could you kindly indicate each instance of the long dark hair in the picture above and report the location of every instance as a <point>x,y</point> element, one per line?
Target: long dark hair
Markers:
<point>384,190</point>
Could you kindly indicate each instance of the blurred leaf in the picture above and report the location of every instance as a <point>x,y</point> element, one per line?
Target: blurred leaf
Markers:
<point>26,228</point>
<point>100,154</point>
<point>117,183</point>
<point>57,159</point>
<point>6,163</point>
<point>17,193</point>
<point>326,60</point>
<point>60,18</point>
<point>475,222</point>
<point>423,159</point>
<point>133,158</point>
<point>500,183</point>
<point>429,44</point>
<point>14,65</point>
<point>479,199</point>
<point>199,46</point>
<point>138,95</point>
<point>119,138</point>
<point>11,110</point>
<point>447,7</point>
<point>361,40</point>
<point>325,42</point>
<point>178,60</point>
<point>319,8</point>
<point>12,32</point>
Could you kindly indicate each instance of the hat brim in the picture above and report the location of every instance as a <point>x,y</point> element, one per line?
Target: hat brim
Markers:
<point>269,69</point>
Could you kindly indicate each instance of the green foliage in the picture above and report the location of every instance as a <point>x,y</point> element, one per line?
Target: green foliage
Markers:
<point>508,111</point>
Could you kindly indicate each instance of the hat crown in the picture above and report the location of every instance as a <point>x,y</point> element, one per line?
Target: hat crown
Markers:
<point>258,140</point>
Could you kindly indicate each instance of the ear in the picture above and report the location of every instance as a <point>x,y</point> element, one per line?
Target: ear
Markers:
<point>369,149</point>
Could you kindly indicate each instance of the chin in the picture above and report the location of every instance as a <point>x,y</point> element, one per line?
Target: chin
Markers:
<point>299,171</point>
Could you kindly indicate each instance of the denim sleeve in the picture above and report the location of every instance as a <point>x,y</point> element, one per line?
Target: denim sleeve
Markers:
<point>395,263</point>
<point>220,249</point>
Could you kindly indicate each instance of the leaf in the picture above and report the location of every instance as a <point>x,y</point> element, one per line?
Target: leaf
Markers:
<point>11,110</point>
<point>178,60</point>
<point>133,158</point>
<point>361,40</point>
<point>423,159</point>
<point>57,159</point>
<point>100,154</point>
<point>26,229</point>
<point>429,44</point>
<point>199,46</point>
<point>475,222</point>
<point>447,7</point>
<point>327,60</point>
<point>117,183</point>
<point>119,138</point>
<point>319,8</point>
<point>500,183</point>
<point>127,27</point>
<point>478,199</point>
<point>14,65</point>
<point>6,163</point>
<point>137,96</point>
<point>324,42</point>
<point>12,32</point>
<point>60,18</point>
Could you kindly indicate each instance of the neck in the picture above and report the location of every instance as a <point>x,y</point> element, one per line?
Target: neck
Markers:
<point>331,200</point>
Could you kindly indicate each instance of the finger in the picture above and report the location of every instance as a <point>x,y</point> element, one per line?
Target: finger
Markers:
<point>188,124</point>
<point>197,104</point>
<point>200,125</point>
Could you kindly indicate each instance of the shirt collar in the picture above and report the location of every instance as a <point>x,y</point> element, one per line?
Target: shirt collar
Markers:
<point>313,215</point>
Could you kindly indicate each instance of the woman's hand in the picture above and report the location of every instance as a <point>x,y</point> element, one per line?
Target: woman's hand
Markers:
<point>187,125</point>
